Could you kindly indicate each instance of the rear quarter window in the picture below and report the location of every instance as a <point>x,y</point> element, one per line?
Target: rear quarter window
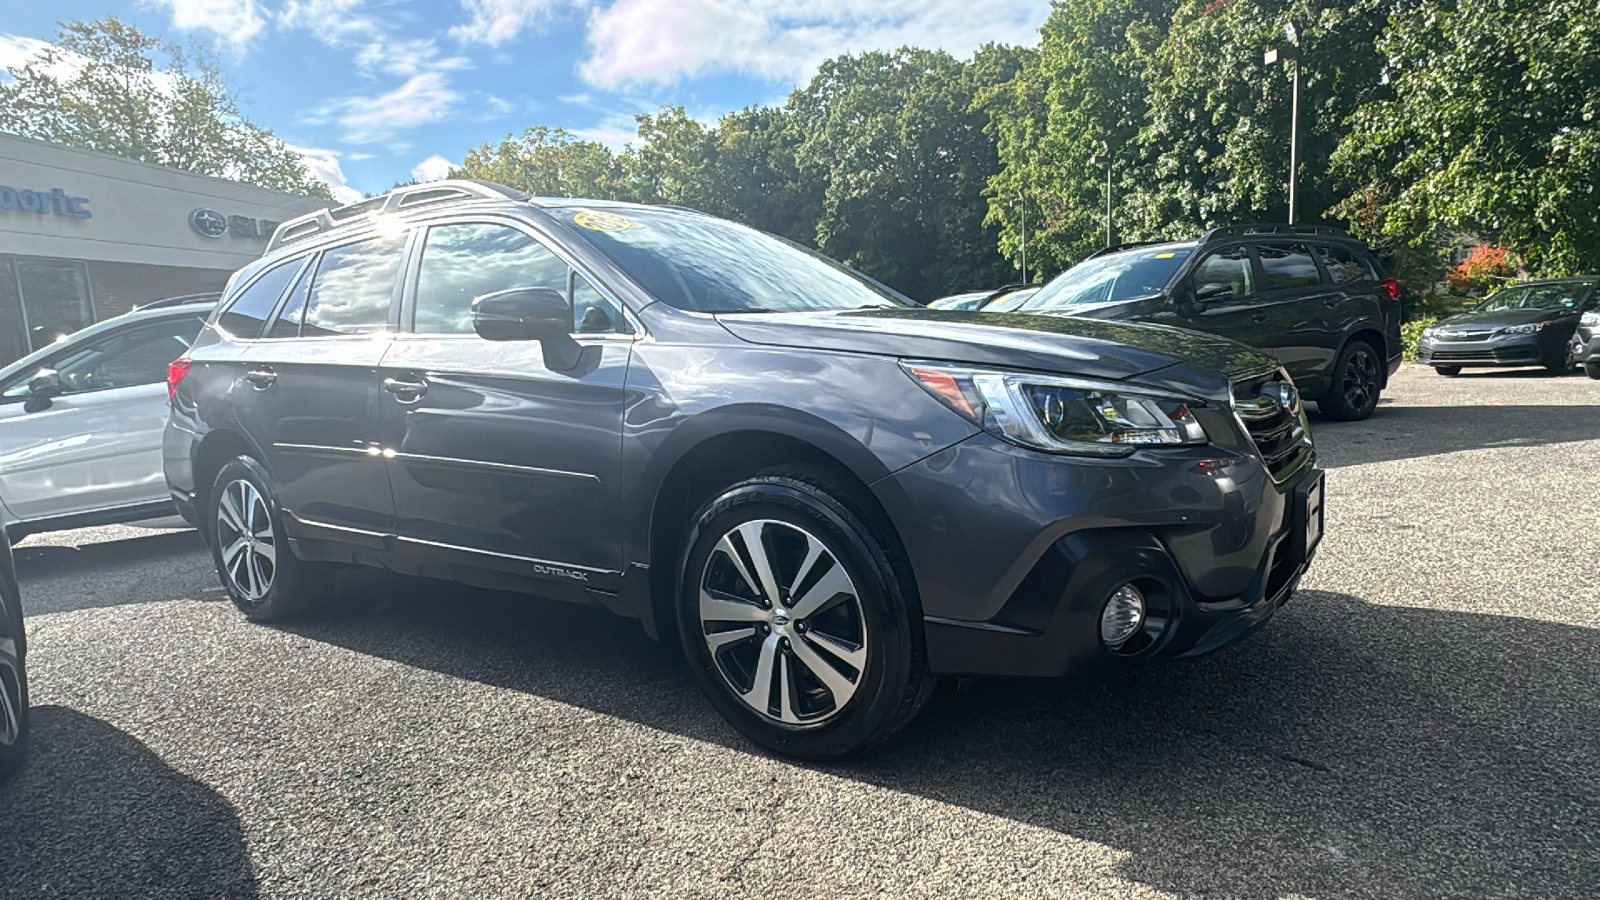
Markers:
<point>245,316</point>
<point>1344,264</point>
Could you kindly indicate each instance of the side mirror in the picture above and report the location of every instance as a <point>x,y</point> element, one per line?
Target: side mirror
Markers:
<point>522,314</point>
<point>1212,290</point>
<point>43,386</point>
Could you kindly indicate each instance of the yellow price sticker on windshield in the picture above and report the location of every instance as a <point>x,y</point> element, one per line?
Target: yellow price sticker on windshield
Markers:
<point>1165,255</point>
<point>597,220</point>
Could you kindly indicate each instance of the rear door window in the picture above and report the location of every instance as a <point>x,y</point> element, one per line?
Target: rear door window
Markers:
<point>353,288</point>
<point>1343,264</point>
<point>248,312</point>
<point>1287,266</point>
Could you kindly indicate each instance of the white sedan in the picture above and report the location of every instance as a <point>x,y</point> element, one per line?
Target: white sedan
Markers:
<point>81,422</point>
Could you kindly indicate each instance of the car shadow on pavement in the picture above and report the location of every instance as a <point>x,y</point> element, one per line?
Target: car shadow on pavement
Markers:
<point>94,813</point>
<point>1348,749</point>
<point>1408,432</point>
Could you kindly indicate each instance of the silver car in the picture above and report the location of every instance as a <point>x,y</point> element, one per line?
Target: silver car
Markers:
<point>81,421</point>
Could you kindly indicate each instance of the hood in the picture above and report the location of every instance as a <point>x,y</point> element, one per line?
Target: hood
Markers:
<point>1088,348</point>
<point>1500,318</point>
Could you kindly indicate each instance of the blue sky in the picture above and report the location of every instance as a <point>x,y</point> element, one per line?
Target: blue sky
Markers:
<point>377,91</point>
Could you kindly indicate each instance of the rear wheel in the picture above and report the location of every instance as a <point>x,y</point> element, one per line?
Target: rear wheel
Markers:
<point>251,551</point>
<point>794,620</point>
<point>1565,362</point>
<point>1356,382</point>
<point>13,680</point>
<point>1448,371</point>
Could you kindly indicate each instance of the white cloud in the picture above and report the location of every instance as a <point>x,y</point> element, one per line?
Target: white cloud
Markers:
<point>613,136</point>
<point>373,119</point>
<point>16,51</point>
<point>635,42</point>
<point>324,165</point>
<point>434,168</point>
<point>495,22</point>
<point>232,22</point>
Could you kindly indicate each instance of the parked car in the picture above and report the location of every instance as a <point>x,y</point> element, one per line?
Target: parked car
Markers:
<point>13,665</point>
<point>826,493</point>
<point>1586,343</point>
<point>1529,324</point>
<point>1315,298</point>
<point>973,300</point>
<point>1010,300</point>
<point>81,421</point>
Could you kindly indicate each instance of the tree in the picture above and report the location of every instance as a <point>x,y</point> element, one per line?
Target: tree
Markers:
<point>1490,126</point>
<point>550,162</point>
<point>107,86</point>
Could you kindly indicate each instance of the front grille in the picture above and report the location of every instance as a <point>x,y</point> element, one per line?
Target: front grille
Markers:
<point>1500,354</point>
<point>1279,431</point>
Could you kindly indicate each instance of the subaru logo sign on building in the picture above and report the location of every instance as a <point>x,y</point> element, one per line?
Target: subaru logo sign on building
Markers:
<point>209,222</point>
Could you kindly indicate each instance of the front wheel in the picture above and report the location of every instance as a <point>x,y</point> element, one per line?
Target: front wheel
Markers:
<point>1564,363</point>
<point>794,620</point>
<point>13,678</point>
<point>1448,371</point>
<point>1592,370</point>
<point>261,574</point>
<point>1356,382</point>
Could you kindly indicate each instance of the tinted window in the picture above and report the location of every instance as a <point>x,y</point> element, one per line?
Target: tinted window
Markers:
<point>126,358</point>
<point>699,263</point>
<point>1287,266</point>
<point>1230,267</point>
<point>461,262</point>
<point>1111,278</point>
<point>287,324</point>
<point>352,288</point>
<point>249,311</point>
<point>1561,295</point>
<point>1343,264</point>
<point>592,312</point>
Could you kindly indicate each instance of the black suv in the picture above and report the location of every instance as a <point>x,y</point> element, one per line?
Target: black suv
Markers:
<point>1313,297</point>
<point>827,494</point>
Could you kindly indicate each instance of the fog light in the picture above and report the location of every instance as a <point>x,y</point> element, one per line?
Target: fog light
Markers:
<point>1122,617</point>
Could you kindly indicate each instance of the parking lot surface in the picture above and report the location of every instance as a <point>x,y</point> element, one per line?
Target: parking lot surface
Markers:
<point>1420,721</point>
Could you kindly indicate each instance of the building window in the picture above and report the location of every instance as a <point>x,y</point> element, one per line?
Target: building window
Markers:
<point>53,301</point>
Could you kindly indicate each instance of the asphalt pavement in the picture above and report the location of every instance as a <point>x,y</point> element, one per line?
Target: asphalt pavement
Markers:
<point>1423,720</point>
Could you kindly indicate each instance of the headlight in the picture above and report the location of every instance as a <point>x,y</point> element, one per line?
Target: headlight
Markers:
<point>1529,328</point>
<point>1430,331</point>
<point>1591,318</point>
<point>1061,415</point>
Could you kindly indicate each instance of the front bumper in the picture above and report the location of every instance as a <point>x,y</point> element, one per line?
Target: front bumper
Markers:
<point>1016,552</point>
<point>1586,345</point>
<point>1512,350</point>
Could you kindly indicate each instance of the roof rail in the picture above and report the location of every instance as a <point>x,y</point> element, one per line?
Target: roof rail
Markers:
<point>182,300</point>
<point>1227,231</point>
<point>409,197</point>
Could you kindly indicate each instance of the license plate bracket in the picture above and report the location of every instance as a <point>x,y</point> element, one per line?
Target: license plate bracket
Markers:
<point>1310,516</point>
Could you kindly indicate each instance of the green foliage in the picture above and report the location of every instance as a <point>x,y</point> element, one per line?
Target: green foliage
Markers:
<point>550,162</point>
<point>1489,125</point>
<point>107,86</point>
<point>1411,334</point>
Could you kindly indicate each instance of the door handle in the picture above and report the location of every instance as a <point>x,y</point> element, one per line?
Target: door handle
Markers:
<point>404,390</point>
<point>1259,317</point>
<point>261,379</point>
<point>1331,302</point>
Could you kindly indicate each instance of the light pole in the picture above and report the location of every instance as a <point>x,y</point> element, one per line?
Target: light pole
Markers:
<point>1290,51</point>
<point>1103,158</point>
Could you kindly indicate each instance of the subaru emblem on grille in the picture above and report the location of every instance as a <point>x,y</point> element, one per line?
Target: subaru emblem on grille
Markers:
<point>1289,398</point>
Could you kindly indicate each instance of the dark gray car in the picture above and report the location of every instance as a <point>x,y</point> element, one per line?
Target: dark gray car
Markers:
<point>1313,297</point>
<point>1586,343</point>
<point>1529,324</point>
<point>826,494</point>
<point>13,665</point>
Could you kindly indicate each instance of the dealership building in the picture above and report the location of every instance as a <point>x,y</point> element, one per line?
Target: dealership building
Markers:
<point>85,236</point>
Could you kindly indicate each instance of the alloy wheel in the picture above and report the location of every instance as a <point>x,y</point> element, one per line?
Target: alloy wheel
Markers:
<point>11,678</point>
<point>244,532</point>
<point>783,622</point>
<point>1360,380</point>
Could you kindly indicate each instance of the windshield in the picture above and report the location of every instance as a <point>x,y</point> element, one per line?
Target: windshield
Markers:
<point>701,264</point>
<point>1108,279</point>
<point>1566,295</point>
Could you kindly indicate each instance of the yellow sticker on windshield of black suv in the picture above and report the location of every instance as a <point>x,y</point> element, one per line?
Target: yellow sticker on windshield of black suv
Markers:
<point>1165,255</point>
<point>596,220</point>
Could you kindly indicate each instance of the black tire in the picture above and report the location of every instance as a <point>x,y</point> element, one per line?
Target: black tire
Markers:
<point>1592,370</point>
<point>13,677</point>
<point>1565,363</point>
<point>1357,379</point>
<point>1448,371</point>
<point>860,604</point>
<point>264,590</point>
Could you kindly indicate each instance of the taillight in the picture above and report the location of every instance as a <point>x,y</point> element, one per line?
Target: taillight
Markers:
<point>175,372</point>
<point>1391,287</point>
